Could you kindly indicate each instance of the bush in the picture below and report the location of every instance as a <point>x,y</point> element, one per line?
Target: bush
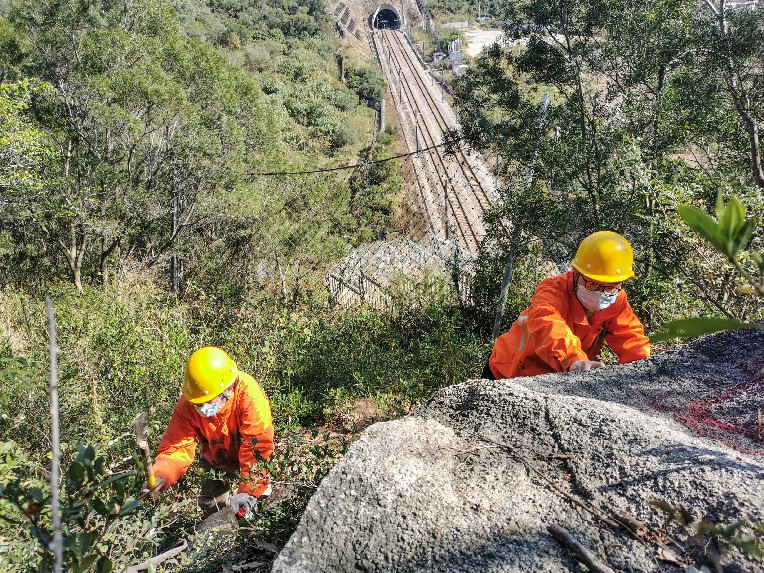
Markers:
<point>343,135</point>
<point>367,82</point>
<point>103,525</point>
<point>123,352</point>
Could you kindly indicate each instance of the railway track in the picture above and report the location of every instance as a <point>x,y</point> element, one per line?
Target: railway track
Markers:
<point>454,190</point>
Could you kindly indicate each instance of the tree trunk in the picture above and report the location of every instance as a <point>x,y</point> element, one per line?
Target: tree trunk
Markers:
<point>75,252</point>
<point>740,100</point>
<point>753,137</point>
<point>105,253</point>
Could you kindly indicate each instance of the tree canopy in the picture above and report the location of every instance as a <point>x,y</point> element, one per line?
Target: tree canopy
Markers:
<point>652,105</point>
<point>146,111</point>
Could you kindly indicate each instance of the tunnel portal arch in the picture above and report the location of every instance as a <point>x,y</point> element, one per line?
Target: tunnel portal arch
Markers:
<point>385,17</point>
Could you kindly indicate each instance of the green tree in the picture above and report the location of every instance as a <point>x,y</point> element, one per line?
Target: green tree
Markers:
<point>730,233</point>
<point>24,150</point>
<point>375,189</point>
<point>735,41</point>
<point>139,113</point>
<point>367,82</point>
<point>13,47</point>
<point>620,145</point>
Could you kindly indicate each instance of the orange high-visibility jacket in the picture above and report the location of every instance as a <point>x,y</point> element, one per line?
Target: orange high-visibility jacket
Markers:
<point>228,439</point>
<point>554,332</point>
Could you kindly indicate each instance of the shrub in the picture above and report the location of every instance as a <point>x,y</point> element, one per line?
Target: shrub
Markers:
<point>367,82</point>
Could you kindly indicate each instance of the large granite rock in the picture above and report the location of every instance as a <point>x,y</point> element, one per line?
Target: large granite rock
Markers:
<point>471,481</point>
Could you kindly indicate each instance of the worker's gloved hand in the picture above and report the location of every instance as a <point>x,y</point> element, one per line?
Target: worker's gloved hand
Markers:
<point>585,365</point>
<point>244,505</point>
<point>156,490</point>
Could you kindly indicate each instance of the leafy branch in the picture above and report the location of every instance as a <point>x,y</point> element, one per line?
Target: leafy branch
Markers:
<point>726,537</point>
<point>729,233</point>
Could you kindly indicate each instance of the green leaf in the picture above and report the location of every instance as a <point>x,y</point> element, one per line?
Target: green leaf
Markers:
<point>734,227</point>
<point>85,540</point>
<point>704,225</point>
<point>116,477</point>
<point>85,454</point>
<point>87,562</point>
<point>731,218</point>
<point>70,542</point>
<point>758,258</point>
<point>691,327</point>
<point>730,234</point>
<point>104,565</point>
<point>99,506</point>
<point>76,472</point>
<point>719,207</point>
<point>744,234</point>
<point>119,488</point>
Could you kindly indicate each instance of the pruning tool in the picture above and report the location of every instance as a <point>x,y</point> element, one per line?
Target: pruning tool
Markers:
<point>141,426</point>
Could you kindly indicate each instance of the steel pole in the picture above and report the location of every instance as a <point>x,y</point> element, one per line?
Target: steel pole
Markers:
<point>174,260</point>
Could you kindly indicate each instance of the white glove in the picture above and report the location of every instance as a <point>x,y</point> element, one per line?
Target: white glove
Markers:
<point>585,365</point>
<point>243,505</point>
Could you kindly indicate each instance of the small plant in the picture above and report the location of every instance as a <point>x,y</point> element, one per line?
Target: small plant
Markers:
<point>729,234</point>
<point>717,540</point>
<point>101,524</point>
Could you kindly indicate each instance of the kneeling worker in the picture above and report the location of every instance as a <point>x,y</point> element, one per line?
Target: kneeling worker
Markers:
<point>572,314</point>
<point>226,411</point>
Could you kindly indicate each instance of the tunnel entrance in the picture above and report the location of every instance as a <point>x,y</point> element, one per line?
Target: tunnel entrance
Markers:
<point>386,19</point>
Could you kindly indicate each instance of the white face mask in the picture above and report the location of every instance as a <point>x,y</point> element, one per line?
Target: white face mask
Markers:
<point>595,300</point>
<point>209,409</point>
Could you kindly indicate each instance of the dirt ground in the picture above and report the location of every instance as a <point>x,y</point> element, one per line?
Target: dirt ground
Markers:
<point>478,38</point>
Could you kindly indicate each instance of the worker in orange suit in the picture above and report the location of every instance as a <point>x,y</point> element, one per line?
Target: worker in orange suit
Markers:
<point>226,411</point>
<point>573,314</point>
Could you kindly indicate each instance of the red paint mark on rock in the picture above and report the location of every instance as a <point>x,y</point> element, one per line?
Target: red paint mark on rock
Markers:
<point>730,417</point>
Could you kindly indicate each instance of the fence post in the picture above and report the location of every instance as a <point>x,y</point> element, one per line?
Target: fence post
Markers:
<point>416,130</point>
<point>504,290</point>
<point>57,543</point>
<point>445,206</point>
<point>545,101</point>
<point>174,259</point>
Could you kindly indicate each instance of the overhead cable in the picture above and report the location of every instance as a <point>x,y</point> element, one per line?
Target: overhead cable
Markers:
<point>328,169</point>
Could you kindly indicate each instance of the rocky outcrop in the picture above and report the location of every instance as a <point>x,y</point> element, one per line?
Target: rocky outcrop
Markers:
<point>472,480</point>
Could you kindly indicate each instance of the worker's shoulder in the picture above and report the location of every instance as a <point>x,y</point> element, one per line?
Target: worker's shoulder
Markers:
<point>248,385</point>
<point>556,284</point>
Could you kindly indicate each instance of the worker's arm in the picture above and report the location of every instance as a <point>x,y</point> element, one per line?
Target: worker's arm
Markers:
<point>256,440</point>
<point>177,448</point>
<point>552,338</point>
<point>625,335</point>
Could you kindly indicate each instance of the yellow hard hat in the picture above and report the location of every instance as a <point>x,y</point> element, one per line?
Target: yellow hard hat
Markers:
<point>209,371</point>
<point>605,256</point>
